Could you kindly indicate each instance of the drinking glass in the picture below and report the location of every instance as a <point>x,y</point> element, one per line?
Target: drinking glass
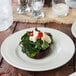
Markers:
<point>71,3</point>
<point>60,8</point>
<point>37,8</point>
<point>6,17</point>
<point>23,6</point>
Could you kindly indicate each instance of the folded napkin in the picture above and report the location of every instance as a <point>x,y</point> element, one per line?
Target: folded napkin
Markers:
<point>73,74</point>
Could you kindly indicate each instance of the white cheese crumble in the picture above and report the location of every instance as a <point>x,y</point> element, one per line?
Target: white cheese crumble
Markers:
<point>34,38</point>
<point>46,38</point>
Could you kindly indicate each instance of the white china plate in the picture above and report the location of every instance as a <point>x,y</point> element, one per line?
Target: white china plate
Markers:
<point>61,52</point>
<point>73,29</point>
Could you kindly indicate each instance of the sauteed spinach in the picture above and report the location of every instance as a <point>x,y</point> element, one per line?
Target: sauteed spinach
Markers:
<point>31,48</point>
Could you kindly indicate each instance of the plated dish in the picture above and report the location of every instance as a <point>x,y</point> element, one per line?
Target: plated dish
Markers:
<point>59,55</point>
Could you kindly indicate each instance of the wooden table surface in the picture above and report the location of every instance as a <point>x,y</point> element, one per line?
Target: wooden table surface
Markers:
<point>8,70</point>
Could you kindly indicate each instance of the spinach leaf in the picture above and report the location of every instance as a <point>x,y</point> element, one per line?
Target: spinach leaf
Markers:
<point>38,46</point>
<point>29,47</point>
<point>25,37</point>
<point>52,41</point>
<point>45,45</point>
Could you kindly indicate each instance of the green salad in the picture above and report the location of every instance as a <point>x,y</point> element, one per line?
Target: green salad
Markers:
<point>34,42</point>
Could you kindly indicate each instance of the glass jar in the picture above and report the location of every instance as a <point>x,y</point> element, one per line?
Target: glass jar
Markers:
<point>60,8</point>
